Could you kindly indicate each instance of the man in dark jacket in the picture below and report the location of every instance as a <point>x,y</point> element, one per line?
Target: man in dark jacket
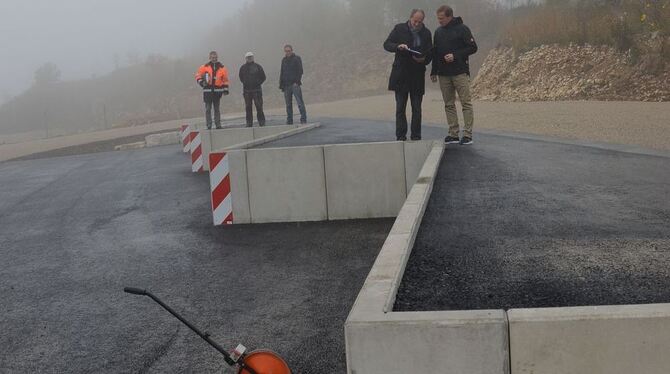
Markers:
<point>412,44</point>
<point>290,80</point>
<point>252,77</point>
<point>454,44</point>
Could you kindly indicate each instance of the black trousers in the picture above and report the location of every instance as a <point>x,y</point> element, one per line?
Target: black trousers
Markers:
<point>416,99</point>
<point>251,98</point>
<point>212,99</point>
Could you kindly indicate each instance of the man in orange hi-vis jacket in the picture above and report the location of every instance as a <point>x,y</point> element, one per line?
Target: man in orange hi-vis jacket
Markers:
<point>213,78</point>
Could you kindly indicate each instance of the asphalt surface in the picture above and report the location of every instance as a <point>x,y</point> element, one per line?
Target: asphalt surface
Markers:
<point>344,131</point>
<point>75,230</point>
<point>517,223</point>
<point>108,145</point>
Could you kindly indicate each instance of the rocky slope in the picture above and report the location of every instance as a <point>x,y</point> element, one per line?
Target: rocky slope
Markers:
<point>574,72</point>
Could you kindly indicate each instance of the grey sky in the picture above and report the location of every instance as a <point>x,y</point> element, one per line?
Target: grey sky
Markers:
<point>82,36</point>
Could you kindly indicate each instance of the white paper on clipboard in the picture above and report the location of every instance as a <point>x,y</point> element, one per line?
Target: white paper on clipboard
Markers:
<point>414,52</point>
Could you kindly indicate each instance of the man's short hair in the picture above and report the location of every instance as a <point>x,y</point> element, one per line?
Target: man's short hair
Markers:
<point>288,46</point>
<point>213,53</point>
<point>417,10</point>
<point>446,9</point>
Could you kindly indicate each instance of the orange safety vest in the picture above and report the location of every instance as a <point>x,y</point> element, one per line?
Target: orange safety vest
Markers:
<point>216,77</point>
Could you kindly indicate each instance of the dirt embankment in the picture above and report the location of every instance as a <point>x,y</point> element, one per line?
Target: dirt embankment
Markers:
<point>574,72</point>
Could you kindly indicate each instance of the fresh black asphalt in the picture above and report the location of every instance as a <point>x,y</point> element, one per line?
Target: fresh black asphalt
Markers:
<point>511,222</point>
<point>515,223</point>
<point>75,230</point>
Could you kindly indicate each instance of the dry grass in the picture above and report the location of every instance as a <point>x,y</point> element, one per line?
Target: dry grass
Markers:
<point>562,23</point>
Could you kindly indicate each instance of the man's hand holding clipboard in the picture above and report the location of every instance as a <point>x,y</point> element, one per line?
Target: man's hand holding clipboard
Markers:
<point>416,55</point>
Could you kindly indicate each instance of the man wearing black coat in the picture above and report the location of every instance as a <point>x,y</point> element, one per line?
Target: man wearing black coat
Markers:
<point>290,82</point>
<point>412,44</point>
<point>252,77</point>
<point>454,44</point>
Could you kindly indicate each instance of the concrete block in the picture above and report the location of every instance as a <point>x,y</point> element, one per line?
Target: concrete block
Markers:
<point>206,137</point>
<point>472,342</point>
<point>227,137</point>
<point>239,188</point>
<point>591,340</point>
<point>262,132</point>
<point>287,184</point>
<point>379,340</point>
<point>166,138</point>
<point>365,180</point>
<point>415,157</point>
<point>284,134</point>
<point>125,147</point>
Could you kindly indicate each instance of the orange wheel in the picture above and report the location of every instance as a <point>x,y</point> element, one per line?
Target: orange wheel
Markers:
<point>265,362</point>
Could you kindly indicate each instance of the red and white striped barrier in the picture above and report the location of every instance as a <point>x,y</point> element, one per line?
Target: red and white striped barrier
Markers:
<point>197,164</point>
<point>219,180</point>
<point>185,135</point>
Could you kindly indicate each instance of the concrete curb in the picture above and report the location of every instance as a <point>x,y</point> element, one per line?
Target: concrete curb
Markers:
<point>166,138</point>
<point>128,146</point>
<point>591,339</point>
<point>597,340</point>
<point>322,182</point>
<point>271,138</point>
<point>379,340</point>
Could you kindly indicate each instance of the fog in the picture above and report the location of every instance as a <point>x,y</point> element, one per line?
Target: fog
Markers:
<point>87,38</point>
<point>106,64</point>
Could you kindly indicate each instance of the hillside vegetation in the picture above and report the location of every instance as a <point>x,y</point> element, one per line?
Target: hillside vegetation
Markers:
<point>581,50</point>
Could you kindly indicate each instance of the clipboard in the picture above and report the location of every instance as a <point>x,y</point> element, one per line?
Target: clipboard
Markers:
<point>414,52</point>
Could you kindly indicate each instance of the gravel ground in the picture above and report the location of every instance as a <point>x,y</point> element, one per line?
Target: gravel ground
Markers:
<point>629,123</point>
<point>516,223</point>
<point>95,147</point>
<point>108,145</point>
<point>632,123</point>
<point>75,230</point>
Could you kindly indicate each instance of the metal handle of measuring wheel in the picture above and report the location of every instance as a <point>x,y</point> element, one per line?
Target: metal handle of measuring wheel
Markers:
<point>135,291</point>
<point>204,336</point>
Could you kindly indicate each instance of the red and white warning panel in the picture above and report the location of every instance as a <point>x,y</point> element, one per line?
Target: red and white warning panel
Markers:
<point>185,135</point>
<point>197,164</point>
<point>219,180</point>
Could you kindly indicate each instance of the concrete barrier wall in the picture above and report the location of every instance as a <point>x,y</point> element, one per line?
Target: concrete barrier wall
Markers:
<point>218,139</point>
<point>239,186</point>
<point>221,139</point>
<point>379,340</point>
<point>365,180</point>
<point>314,183</point>
<point>286,184</point>
<point>415,156</point>
<point>428,342</point>
<point>595,340</point>
<point>580,340</point>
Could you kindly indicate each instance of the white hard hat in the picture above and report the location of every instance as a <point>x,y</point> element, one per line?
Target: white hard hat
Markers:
<point>248,54</point>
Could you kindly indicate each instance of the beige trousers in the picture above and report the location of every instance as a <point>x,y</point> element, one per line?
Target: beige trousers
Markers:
<point>450,86</point>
